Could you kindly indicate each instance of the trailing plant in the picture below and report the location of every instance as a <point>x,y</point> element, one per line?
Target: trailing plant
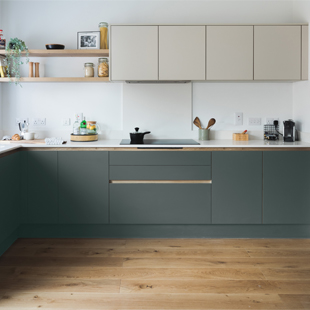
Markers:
<point>14,49</point>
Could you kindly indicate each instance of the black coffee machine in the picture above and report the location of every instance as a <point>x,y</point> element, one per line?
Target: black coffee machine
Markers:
<point>289,131</point>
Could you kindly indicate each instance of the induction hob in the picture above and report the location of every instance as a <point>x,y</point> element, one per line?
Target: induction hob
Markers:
<point>163,142</point>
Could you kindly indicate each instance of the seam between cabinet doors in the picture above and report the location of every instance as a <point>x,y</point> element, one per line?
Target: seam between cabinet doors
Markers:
<point>262,187</point>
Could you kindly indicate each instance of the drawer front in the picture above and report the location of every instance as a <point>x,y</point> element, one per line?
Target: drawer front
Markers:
<point>160,203</point>
<point>160,173</point>
<point>160,158</point>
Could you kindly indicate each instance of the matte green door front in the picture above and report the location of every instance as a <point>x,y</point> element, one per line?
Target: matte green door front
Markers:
<point>83,182</point>
<point>237,187</point>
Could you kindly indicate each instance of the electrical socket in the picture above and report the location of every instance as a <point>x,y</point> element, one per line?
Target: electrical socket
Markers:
<point>239,118</point>
<point>38,122</point>
<point>255,121</point>
<point>66,122</point>
<point>21,120</point>
<point>269,120</point>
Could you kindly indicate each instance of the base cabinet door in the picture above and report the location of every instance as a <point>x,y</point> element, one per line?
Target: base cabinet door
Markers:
<point>83,187</point>
<point>287,187</point>
<point>160,203</point>
<point>237,187</point>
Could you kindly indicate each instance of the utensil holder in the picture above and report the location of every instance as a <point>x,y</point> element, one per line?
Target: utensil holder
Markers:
<point>203,134</point>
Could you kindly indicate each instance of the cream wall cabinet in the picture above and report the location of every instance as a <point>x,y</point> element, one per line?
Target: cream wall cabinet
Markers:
<point>229,53</point>
<point>134,53</point>
<point>182,52</point>
<point>277,52</point>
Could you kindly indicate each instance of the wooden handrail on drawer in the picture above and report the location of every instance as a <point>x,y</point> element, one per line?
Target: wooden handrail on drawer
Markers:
<point>161,181</point>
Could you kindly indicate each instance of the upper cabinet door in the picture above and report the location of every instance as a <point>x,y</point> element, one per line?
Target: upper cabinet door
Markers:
<point>229,53</point>
<point>134,53</point>
<point>277,52</point>
<point>182,52</point>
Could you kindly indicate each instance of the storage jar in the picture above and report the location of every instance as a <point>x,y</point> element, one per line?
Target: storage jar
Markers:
<point>103,35</point>
<point>89,69</point>
<point>92,127</point>
<point>103,67</point>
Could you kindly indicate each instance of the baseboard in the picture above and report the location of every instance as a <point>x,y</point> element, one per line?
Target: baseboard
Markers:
<point>165,231</point>
<point>7,242</point>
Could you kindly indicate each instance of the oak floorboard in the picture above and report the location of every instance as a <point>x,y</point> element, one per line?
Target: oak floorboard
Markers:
<point>221,262</point>
<point>142,301</point>
<point>124,252</point>
<point>279,253</point>
<point>214,287</point>
<point>133,273</point>
<point>284,274</point>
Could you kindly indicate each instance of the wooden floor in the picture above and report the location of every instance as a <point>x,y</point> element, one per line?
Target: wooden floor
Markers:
<point>156,274</point>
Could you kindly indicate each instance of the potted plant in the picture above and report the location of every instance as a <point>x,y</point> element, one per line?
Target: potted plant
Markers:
<point>14,49</point>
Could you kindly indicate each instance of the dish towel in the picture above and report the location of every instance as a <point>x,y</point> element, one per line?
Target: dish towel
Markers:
<point>54,141</point>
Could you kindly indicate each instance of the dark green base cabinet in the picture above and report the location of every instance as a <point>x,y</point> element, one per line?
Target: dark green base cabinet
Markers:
<point>160,203</point>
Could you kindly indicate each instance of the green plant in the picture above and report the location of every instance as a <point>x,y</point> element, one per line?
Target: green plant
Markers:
<point>14,49</point>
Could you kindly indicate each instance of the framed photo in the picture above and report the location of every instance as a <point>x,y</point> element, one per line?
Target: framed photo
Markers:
<point>88,40</point>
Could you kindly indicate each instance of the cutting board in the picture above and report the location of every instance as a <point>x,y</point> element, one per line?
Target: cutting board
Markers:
<point>24,141</point>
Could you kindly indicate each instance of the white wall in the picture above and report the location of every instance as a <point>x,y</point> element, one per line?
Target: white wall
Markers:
<point>41,22</point>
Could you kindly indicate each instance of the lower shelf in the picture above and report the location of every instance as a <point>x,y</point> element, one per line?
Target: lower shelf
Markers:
<point>58,80</point>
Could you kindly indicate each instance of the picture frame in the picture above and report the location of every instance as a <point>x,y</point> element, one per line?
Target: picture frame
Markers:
<point>88,40</point>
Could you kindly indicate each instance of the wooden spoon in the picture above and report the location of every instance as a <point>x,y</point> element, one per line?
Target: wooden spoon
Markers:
<point>212,121</point>
<point>197,122</point>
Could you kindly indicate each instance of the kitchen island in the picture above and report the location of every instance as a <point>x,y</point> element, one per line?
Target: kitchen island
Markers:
<point>220,188</point>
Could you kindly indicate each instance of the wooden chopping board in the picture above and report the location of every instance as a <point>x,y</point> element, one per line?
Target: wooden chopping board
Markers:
<point>24,141</point>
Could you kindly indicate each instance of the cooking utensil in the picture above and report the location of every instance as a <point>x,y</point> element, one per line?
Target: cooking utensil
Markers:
<point>197,122</point>
<point>137,137</point>
<point>211,122</point>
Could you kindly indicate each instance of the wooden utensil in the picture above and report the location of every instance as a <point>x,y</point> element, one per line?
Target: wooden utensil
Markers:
<point>197,122</point>
<point>212,121</point>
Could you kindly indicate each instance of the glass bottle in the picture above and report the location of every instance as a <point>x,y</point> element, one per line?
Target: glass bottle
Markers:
<point>89,69</point>
<point>76,127</point>
<point>2,40</point>
<point>103,26</point>
<point>103,67</point>
<point>83,127</point>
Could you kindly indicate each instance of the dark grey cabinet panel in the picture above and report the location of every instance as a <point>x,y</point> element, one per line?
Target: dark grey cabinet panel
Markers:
<point>83,182</point>
<point>237,187</point>
<point>42,187</point>
<point>160,173</point>
<point>10,201</point>
<point>160,158</point>
<point>287,187</point>
<point>160,203</point>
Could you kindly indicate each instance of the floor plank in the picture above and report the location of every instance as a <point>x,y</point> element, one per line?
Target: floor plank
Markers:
<point>279,253</point>
<point>283,274</point>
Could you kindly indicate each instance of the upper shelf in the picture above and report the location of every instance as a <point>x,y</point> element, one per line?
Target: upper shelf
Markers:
<point>64,53</point>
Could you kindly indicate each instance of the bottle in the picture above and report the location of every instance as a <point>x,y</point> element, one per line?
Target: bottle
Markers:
<point>83,127</point>
<point>76,127</point>
<point>2,40</point>
<point>103,27</point>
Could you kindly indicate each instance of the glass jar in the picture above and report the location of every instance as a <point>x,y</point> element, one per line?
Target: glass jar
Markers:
<point>3,67</point>
<point>89,69</point>
<point>103,67</point>
<point>103,35</point>
<point>92,127</point>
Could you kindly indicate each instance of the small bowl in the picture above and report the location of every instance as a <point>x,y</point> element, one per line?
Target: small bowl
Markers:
<point>54,46</point>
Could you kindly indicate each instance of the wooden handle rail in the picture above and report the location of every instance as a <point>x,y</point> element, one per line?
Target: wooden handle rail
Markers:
<point>161,181</point>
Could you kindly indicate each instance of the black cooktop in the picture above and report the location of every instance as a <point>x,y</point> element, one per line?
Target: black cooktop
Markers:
<point>163,142</point>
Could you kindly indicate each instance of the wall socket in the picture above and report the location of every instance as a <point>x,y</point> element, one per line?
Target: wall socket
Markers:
<point>38,122</point>
<point>21,120</point>
<point>239,118</point>
<point>269,120</point>
<point>66,122</point>
<point>255,121</point>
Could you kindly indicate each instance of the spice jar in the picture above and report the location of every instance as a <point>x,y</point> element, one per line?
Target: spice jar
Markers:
<point>89,69</point>
<point>92,127</point>
<point>103,35</point>
<point>103,67</point>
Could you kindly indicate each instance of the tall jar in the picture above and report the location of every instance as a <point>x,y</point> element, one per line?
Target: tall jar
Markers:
<point>103,67</point>
<point>103,35</point>
<point>89,69</point>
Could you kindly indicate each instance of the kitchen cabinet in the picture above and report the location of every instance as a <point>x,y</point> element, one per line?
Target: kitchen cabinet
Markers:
<point>134,53</point>
<point>10,201</point>
<point>182,52</point>
<point>229,53</point>
<point>237,187</point>
<point>277,52</point>
<point>83,187</point>
<point>42,187</point>
<point>286,187</point>
<point>160,203</point>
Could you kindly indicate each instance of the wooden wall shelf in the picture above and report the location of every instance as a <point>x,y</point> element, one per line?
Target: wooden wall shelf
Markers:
<point>65,53</point>
<point>58,80</point>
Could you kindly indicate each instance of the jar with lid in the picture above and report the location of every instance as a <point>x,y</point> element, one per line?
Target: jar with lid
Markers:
<point>103,67</point>
<point>103,26</point>
<point>89,69</point>
<point>92,127</point>
<point>3,67</point>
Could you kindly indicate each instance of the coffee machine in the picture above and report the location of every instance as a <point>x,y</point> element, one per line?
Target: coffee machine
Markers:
<point>289,131</point>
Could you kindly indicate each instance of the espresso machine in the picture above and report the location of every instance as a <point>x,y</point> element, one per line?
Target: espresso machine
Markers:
<point>289,131</point>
